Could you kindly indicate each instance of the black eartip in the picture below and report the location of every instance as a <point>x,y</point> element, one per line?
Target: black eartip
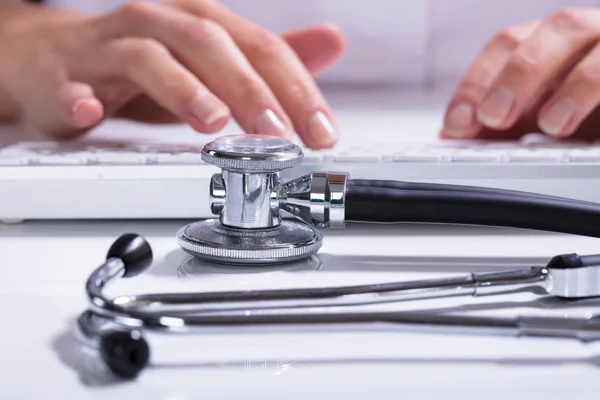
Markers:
<point>135,252</point>
<point>126,353</point>
<point>571,261</point>
<point>564,261</point>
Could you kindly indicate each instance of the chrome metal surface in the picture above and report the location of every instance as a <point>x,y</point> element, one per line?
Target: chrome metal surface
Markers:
<point>251,196</point>
<point>174,312</point>
<point>253,202</point>
<point>575,282</point>
<point>244,195</point>
<point>256,153</point>
<point>300,298</point>
<point>217,194</point>
<point>211,240</point>
<point>389,292</point>
<point>112,269</point>
<point>491,283</point>
<point>317,199</point>
<point>584,329</point>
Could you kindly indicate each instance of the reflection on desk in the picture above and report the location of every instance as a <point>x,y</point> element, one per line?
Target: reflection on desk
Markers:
<point>46,264</point>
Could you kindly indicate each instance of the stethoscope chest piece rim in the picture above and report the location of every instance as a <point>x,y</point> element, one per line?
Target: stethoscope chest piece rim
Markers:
<point>212,241</point>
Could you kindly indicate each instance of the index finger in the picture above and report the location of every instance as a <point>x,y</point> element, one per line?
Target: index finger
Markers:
<point>460,120</point>
<point>281,68</point>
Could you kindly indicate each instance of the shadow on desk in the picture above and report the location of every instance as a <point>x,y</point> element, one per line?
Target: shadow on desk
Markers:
<point>93,374</point>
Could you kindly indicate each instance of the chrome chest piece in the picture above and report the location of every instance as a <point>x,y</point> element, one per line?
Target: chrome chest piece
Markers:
<point>251,200</point>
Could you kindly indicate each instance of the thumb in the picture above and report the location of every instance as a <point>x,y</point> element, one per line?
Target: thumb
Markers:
<point>318,46</point>
<point>70,110</point>
<point>55,106</point>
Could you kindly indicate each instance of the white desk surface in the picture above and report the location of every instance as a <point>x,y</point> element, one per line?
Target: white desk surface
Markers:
<point>45,265</point>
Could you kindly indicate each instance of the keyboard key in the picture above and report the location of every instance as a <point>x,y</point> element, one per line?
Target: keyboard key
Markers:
<point>474,156</point>
<point>586,155</point>
<point>534,155</point>
<point>116,158</point>
<point>177,159</point>
<point>416,156</point>
<point>157,148</point>
<point>531,151</point>
<point>357,158</point>
<point>12,161</point>
<point>57,160</point>
<point>312,159</point>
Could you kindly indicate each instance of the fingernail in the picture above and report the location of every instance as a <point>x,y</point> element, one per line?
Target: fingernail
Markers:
<point>459,120</point>
<point>556,118</point>
<point>78,104</point>
<point>207,109</point>
<point>268,123</point>
<point>86,111</point>
<point>321,130</point>
<point>496,107</point>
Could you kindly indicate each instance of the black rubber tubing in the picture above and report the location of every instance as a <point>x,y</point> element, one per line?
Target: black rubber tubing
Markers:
<point>402,202</point>
<point>450,188</point>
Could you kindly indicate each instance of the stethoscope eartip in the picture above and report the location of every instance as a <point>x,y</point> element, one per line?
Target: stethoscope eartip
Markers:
<point>126,353</point>
<point>135,252</point>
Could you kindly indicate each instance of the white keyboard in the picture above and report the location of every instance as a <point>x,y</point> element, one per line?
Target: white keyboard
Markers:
<point>109,179</point>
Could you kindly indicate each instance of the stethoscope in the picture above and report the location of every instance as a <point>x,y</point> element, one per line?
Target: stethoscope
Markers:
<point>251,201</point>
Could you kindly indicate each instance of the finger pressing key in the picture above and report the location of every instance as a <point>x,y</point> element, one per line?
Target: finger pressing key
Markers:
<point>208,52</point>
<point>574,100</point>
<point>282,70</point>
<point>148,65</point>
<point>460,120</point>
<point>555,47</point>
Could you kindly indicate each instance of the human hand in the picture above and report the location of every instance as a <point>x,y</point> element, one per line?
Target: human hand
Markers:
<point>189,61</point>
<point>543,76</point>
